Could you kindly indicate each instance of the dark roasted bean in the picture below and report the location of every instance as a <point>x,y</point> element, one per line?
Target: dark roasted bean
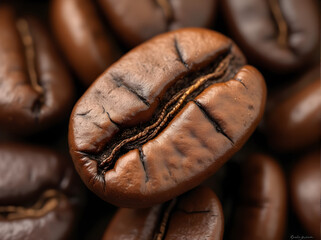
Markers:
<point>305,192</point>
<point>165,117</point>
<point>194,215</point>
<point>138,21</point>
<point>39,194</point>
<point>83,38</point>
<point>292,119</point>
<point>36,90</point>
<point>279,35</point>
<point>261,209</point>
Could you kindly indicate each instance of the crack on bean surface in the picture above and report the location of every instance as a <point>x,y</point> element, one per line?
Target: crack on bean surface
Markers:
<point>142,158</point>
<point>47,202</point>
<point>185,89</point>
<point>97,125</point>
<point>121,83</point>
<point>179,53</point>
<point>213,121</point>
<point>241,81</point>
<point>83,114</point>
<point>113,121</point>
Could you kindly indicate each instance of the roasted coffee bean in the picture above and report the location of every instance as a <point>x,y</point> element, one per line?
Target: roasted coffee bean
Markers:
<point>305,192</point>
<point>85,42</point>
<point>261,209</point>
<point>293,119</point>
<point>165,117</point>
<point>39,193</point>
<point>36,90</point>
<point>194,215</point>
<point>140,20</point>
<point>279,35</point>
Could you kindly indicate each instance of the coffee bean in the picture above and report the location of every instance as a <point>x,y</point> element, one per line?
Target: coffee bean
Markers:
<point>140,20</point>
<point>305,192</point>
<point>165,117</point>
<point>280,36</point>
<point>292,119</point>
<point>194,215</point>
<point>39,193</point>
<point>261,209</point>
<point>83,38</point>
<point>36,90</point>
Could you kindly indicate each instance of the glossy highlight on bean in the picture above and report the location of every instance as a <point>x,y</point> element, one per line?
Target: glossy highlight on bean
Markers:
<point>279,36</point>
<point>164,117</point>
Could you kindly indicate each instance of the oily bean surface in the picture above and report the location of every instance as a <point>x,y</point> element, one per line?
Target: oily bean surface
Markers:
<point>279,35</point>
<point>292,120</point>
<point>261,209</point>
<point>39,193</point>
<point>148,18</point>
<point>194,215</point>
<point>305,192</point>
<point>83,38</point>
<point>197,134</point>
<point>36,89</point>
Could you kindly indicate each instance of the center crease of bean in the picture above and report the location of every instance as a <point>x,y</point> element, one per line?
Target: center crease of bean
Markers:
<point>48,201</point>
<point>27,41</point>
<point>280,21</point>
<point>179,98</point>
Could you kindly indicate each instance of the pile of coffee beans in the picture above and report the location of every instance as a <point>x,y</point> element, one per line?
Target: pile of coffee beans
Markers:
<point>160,119</point>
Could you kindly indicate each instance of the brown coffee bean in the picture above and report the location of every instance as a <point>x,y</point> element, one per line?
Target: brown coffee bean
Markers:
<point>305,192</point>
<point>194,215</point>
<point>292,119</point>
<point>165,117</point>
<point>36,90</point>
<point>140,20</point>
<point>261,211</point>
<point>87,45</point>
<point>279,35</point>
<point>39,193</point>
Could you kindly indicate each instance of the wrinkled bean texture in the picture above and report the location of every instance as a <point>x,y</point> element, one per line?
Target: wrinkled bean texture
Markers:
<point>140,20</point>
<point>39,193</point>
<point>305,192</point>
<point>279,35</point>
<point>36,89</point>
<point>82,37</point>
<point>262,203</point>
<point>165,117</point>
<point>292,120</point>
<point>194,215</point>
